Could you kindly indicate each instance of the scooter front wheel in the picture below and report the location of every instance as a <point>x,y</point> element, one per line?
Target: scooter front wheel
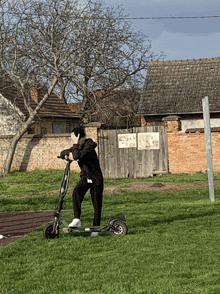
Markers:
<point>119,228</point>
<point>48,232</point>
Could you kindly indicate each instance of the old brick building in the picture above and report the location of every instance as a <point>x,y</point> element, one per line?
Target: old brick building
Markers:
<point>177,88</point>
<point>172,97</point>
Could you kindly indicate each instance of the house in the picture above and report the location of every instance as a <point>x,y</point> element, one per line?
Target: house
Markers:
<point>177,88</point>
<point>172,97</point>
<point>54,117</point>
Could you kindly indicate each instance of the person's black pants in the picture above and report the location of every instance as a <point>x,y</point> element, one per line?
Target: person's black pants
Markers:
<point>96,193</point>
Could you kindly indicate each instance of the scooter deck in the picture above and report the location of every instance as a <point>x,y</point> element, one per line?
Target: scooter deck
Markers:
<point>85,229</point>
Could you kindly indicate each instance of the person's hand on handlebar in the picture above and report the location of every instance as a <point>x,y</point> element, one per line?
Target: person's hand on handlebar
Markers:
<point>63,155</point>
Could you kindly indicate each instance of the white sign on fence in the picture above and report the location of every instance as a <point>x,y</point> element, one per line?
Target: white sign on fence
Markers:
<point>127,140</point>
<point>145,141</point>
<point>148,141</point>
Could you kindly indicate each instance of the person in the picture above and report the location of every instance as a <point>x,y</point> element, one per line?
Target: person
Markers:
<point>83,151</point>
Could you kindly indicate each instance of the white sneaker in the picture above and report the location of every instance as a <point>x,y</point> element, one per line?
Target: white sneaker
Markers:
<point>94,234</point>
<point>76,222</point>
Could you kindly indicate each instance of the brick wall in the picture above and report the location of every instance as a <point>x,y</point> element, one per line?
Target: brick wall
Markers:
<point>187,151</point>
<point>40,152</point>
<point>92,131</point>
<point>37,152</point>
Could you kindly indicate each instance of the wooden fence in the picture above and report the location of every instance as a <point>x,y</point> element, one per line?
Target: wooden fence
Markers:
<point>137,152</point>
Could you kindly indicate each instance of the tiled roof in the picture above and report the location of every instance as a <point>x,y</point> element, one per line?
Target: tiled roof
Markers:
<point>117,101</point>
<point>75,106</point>
<point>177,87</point>
<point>53,107</point>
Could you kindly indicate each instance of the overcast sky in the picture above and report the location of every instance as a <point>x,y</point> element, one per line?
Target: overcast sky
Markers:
<point>177,38</point>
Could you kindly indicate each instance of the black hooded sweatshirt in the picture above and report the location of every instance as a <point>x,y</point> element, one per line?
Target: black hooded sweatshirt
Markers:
<point>87,159</point>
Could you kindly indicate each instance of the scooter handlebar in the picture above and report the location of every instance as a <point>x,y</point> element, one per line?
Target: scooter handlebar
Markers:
<point>65,157</point>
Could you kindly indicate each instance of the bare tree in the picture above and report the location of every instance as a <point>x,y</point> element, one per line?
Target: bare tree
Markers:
<point>117,57</point>
<point>36,43</point>
<point>61,44</point>
<point>118,109</point>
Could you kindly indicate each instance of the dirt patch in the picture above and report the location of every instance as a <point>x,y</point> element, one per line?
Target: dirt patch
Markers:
<point>157,186</point>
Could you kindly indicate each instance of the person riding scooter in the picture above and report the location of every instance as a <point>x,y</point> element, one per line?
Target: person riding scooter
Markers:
<point>83,151</point>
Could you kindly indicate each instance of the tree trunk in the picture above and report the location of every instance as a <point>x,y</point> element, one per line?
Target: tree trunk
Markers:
<point>12,147</point>
<point>23,129</point>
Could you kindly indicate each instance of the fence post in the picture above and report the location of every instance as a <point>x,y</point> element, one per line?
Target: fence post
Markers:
<point>92,130</point>
<point>208,140</point>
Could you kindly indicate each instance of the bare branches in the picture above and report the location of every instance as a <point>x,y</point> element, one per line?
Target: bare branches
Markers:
<point>86,47</point>
<point>116,56</point>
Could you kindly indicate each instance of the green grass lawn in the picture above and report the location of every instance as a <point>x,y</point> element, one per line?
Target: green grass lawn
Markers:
<point>172,244</point>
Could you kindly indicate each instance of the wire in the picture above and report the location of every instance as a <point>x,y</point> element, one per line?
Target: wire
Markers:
<point>151,17</point>
<point>172,17</point>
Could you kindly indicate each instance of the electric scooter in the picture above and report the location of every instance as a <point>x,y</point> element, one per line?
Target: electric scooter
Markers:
<point>115,226</point>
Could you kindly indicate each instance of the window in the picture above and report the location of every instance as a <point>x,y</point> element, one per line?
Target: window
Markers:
<point>43,131</point>
<point>68,128</point>
<point>30,131</point>
<point>57,127</point>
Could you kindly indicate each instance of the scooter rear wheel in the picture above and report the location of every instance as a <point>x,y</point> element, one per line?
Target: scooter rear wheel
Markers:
<point>120,228</point>
<point>48,232</point>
